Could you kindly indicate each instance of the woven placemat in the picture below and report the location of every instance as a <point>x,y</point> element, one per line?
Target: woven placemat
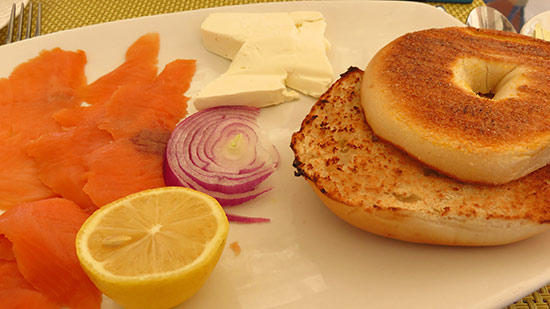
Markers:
<point>67,14</point>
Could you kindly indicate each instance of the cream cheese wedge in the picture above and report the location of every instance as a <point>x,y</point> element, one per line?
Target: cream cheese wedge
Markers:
<point>270,52</point>
<point>245,89</point>
<point>225,33</point>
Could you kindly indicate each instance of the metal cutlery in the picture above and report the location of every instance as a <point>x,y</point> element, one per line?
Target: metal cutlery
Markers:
<point>19,31</point>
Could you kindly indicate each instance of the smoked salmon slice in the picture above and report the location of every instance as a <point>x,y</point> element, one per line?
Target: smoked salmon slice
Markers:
<point>140,65</point>
<point>140,117</point>
<point>39,88</point>
<point>54,75</point>
<point>17,293</point>
<point>30,96</point>
<point>25,299</point>
<point>125,167</point>
<point>6,106</point>
<point>6,253</point>
<point>19,180</point>
<point>82,115</point>
<point>11,276</point>
<point>159,104</point>
<point>60,158</point>
<point>43,235</point>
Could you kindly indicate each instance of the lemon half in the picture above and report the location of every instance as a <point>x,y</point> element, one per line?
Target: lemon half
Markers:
<point>155,248</point>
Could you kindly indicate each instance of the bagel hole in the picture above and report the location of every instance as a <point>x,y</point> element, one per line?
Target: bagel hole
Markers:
<point>487,79</point>
<point>488,95</point>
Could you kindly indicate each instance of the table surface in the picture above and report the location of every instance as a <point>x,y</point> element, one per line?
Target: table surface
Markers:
<point>60,15</point>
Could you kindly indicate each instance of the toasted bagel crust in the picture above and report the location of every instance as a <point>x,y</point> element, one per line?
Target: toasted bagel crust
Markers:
<point>378,188</point>
<point>420,93</point>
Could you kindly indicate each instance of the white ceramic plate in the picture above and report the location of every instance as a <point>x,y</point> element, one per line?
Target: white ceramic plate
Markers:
<point>307,257</point>
<point>543,19</point>
<point>5,10</point>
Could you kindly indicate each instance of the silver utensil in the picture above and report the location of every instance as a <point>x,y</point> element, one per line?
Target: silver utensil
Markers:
<point>486,17</point>
<point>19,34</point>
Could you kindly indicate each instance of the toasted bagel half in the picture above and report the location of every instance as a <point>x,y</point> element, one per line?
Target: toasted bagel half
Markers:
<point>378,188</point>
<point>471,103</point>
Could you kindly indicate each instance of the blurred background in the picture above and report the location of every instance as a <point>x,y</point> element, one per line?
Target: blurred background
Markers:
<point>519,11</point>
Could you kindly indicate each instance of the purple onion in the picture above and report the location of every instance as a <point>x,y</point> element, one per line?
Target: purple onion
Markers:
<point>220,151</point>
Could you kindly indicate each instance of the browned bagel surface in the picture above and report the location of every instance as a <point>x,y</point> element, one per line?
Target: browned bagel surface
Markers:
<point>417,70</point>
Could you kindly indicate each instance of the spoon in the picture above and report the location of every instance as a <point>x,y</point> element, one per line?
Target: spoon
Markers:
<point>486,17</point>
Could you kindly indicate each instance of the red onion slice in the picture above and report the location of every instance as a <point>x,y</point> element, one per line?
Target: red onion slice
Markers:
<point>221,151</point>
<point>242,219</point>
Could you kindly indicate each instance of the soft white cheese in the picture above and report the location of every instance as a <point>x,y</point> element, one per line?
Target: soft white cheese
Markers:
<point>225,33</point>
<point>245,89</point>
<point>541,33</point>
<point>268,51</point>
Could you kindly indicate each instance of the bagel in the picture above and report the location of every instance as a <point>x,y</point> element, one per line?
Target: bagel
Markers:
<point>473,104</point>
<point>378,188</point>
